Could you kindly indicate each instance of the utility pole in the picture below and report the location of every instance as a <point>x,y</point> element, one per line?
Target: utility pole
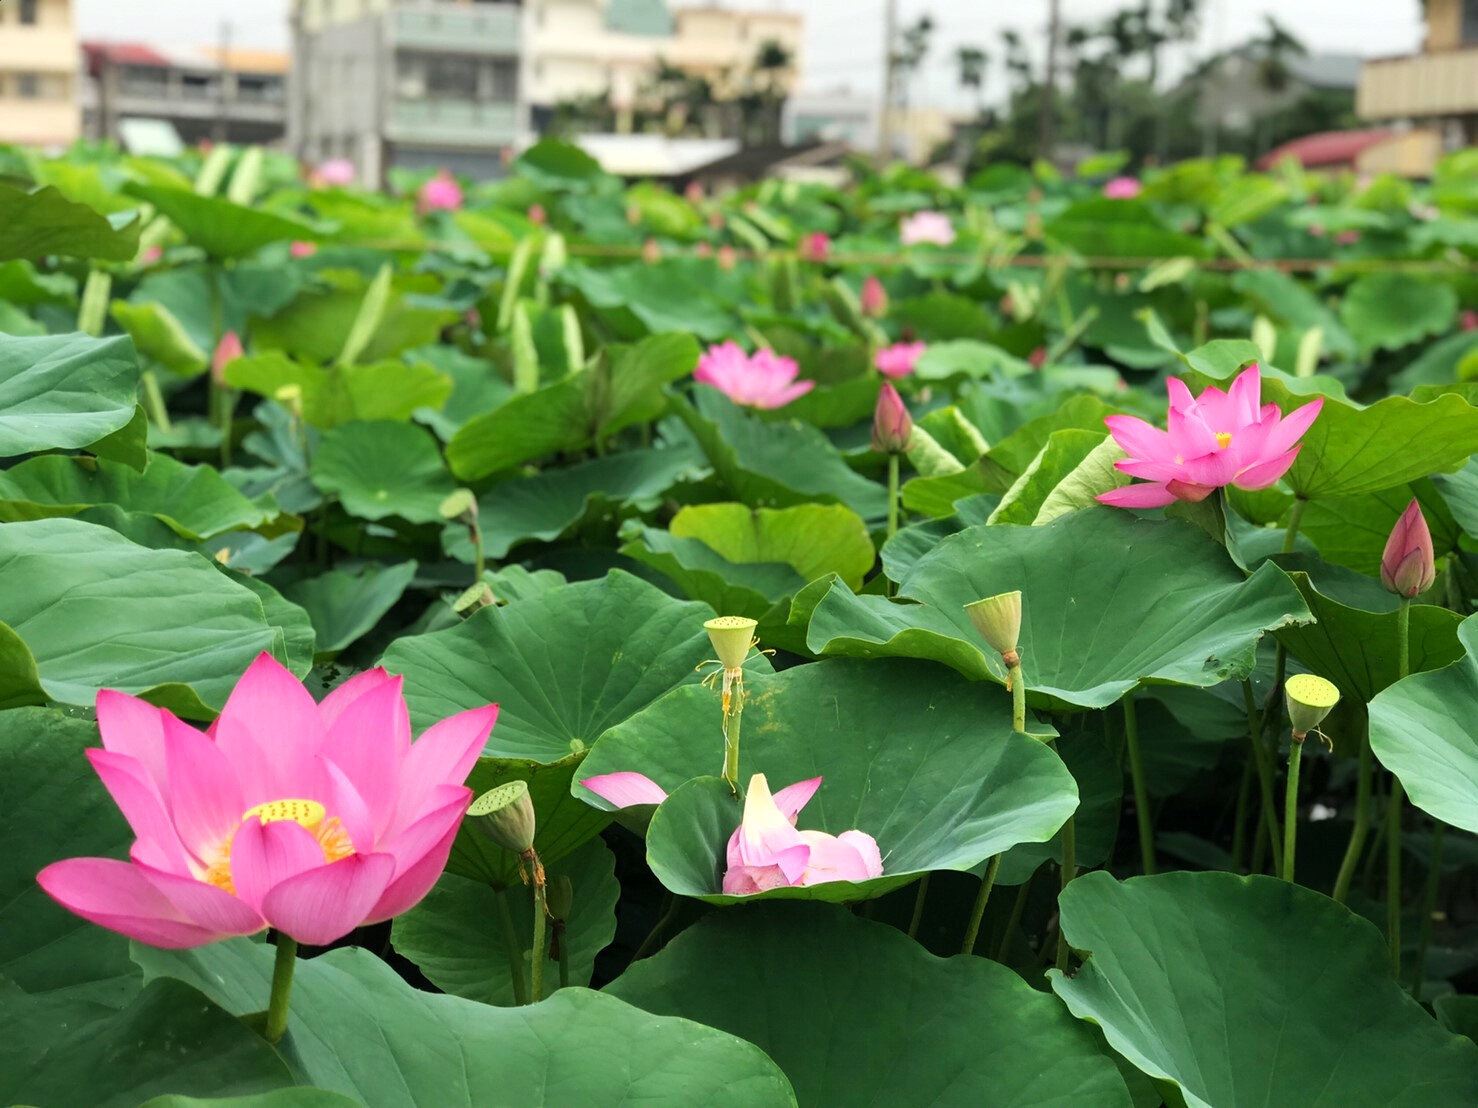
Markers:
<point>890,76</point>
<point>1047,114</point>
<point>218,132</point>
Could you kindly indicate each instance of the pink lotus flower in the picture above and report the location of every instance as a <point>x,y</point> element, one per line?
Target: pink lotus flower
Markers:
<point>227,351</point>
<point>1037,358</point>
<point>727,258</point>
<point>537,215</point>
<point>899,359</point>
<point>816,247</point>
<point>301,249</point>
<point>1469,321</point>
<point>874,298</point>
<point>1347,238</point>
<point>1408,565</point>
<point>1216,439</point>
<point>767,852</point>
<point>441,193</point>
<point>1123,188</point>
<point>651,252</point>
<point>933,227</point>
<point>891,424</point>
<point>310,818</point>
<point>763,379</point>
<point>704,250</point>
<point>335,171</point>
<point>694,192</point>
<point>151,255</point>
<point>1317,230</point>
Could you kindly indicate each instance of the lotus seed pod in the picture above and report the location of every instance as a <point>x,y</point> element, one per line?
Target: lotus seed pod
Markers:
<point>475,597</point>
<point>1310,699</point>
<point>998,619</point>
<point>458,504</point>
<point>732,637</point>
<point>506,816</point>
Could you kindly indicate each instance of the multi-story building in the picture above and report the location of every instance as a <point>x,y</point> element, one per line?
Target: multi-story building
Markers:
<point>204,93</point>
<point>583,48</point>
<point>1438,87</point>
<point>410,83</point>
<point>38,73</point>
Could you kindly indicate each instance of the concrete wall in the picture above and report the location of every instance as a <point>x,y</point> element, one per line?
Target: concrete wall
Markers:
<point>39,72</point>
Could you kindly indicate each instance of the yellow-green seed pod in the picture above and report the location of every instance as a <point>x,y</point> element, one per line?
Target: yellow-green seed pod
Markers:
<point>1310,699</point>
<point>458,504</point>
<point>731,637</point>
<point>506,816</point>
<point>998,619</point>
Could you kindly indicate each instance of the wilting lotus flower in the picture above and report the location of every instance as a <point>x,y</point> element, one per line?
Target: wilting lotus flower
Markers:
<point>310,818</point>
<point>301,249</point>
<point>933,227</point>
<point>1409,566</point>
<point>1216,439</point>
<point>227,351</point>
<point>899,359</point>
<point>767,852</point>
<point>763,379</point>
<point>816,247</point>
<point>1122,188</point>
<point>874,298</point>
<point>335,171</point>
<point>891,423</point>
<point>441,193</point>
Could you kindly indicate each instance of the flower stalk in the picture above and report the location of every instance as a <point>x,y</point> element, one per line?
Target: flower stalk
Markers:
<point>1141,794</point>
<point>1264,778</point>
<point>513,948</point>
<point>1310,700</point>
<point>732,638</point>
<point>977,912</point>
<point>1393,806</point>
<point>282,986</point>
<point>541,929</point>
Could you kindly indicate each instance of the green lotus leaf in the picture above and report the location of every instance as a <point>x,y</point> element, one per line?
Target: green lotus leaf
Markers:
<point>34,224</point>
<point>345,606</point>
<point>382,469</point>
<point>64,391</point>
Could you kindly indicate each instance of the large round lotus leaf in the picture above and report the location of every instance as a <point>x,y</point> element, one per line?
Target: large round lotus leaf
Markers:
<point>1423,730</point>
<point>64,391</point>
<point>1108,600</point>
<point>379,469</point>
<point>856,1013</point>
<point>357,1028</point>
<point>814,539</point>
<point>563,666</point>
<point>918,758</point>
<point>450,935</point>
<point>1253,991</point>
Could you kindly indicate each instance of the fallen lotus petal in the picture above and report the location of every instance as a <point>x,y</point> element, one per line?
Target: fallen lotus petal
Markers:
<point>313,819</point>
<point>767,852</point>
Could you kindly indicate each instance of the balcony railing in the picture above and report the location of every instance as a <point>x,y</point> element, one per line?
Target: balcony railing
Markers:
<point>1421,86</point>
<point>459,122</point>
<point>463,28</point>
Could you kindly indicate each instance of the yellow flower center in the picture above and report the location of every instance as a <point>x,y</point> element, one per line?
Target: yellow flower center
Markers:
<point>307,814</point>
<point>1223,439</point>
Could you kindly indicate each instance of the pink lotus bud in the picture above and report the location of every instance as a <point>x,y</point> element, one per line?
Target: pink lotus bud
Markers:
<point>816,247</point>
<point>651,253</point>
<point>537,215</point>
<point>1317,230</point>
<point>441,193</point>
<point>1122,188</point>
<point>335,171</point>
<point>1038,358</point>
<point>302,249</point>
<point>1470,321</point>
<point>874,298</point>
<point>227,351</point>
<point>727,259</point>
<point>1347,238</point>
<point>1409,566</point>
<point>891,423</point>
<point>152,254</point>
<point>704,250</point>
<point>694,192</point>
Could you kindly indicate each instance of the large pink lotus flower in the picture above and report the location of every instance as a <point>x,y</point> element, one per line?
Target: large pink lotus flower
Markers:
<point>767,852</point>
<point>310,818</point>
<point>1408,565</point>
<point>763,379</point>
<point>440,193</point>
<point>1123,188</point>
<point>931,227</point>
<point>1215,439</point>
<point>899,359</point>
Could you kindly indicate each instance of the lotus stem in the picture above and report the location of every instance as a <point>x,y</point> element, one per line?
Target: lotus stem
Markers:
<point>1018,909</point>
<point>1264,776</point>
<point>892,494</point>
<point>514,949</point>
<point>733,711</point>
<point>918,907</point>
<point>282,986</point>
<point>669,913</point>
<point>977,913</point>
<point>1429,908</point>
<point>1290,806</point>
<point>562,945</point>
<point>1393,806</point>
<point>1361,826</point>
<point>153,400</point>
<point>541,927</point>
<point>1295,519</point>
<point>1239,817</point>
<point>1141,796</point>
<point>1018,697</point>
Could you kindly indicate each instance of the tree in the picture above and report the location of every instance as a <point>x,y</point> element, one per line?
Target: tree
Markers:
<point>1274,48</point>
<point>972,63</point>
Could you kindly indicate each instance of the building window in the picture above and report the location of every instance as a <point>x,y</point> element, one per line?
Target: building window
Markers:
<point>28,11</point>
<point>436,77</point>
<point>1470,22</point>
<point>28,86</point>
<point>505,81</point>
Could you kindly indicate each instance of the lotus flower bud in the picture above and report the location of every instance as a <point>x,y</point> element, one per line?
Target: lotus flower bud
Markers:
<point>732,637</point>
<point>727,257</point>
<point>1310,699</point>
<point>998,619</point>
<point>560,898</point>
<point>874,298</point>
<point>651,252</point>
<point>537,215</point>
<point>891,423</point>
<point>474,598</point>
<point>459,504</point>
<point>816,247</point>
<point>227,351</point>
<point>1409,566</point>
<point>506,816</point>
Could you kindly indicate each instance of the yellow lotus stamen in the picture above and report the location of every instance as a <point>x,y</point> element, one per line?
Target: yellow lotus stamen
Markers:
<point>332,837</point>
<point>1223,439</point>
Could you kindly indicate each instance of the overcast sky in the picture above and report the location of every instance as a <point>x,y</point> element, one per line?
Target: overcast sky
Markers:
<point>844,37</point>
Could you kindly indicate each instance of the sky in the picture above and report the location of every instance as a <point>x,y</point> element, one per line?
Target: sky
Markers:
<point>844,38</point>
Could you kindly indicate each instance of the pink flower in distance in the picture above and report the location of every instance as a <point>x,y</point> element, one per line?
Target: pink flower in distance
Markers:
<point>537,215</point>
<point>763,379</point>
<point>1347,238</point>
<point>310,818</point>
<point>873,299</point>
<point>727,257</point>
<point>932,227</point>
<point>301,249</point>
<point>767,852</point>
<point>227,351</point>
<point>151,255</point>
<point>1469,321</point>
<point>899,359</point>
<point>1037,358</point>
<point>1408,565</point>
<point>1123,188</point>
<point>441,193</point>
<point>335,171</point>
<point>1215,439</point>
<point>816,247</point>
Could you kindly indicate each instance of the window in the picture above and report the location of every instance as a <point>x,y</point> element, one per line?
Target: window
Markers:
<point>28,11</point>
<point>505,81</point>
<point>1470,23</point>
<point>28,86</point>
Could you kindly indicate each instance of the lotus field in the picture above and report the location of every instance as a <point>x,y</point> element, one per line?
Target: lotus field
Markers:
<point>557,641</point>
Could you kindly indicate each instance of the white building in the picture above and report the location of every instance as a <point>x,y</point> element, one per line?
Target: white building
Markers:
<point>38,73</point>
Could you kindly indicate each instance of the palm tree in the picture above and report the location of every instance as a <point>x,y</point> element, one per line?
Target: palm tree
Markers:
<point>1274,48</point>
<point>972,63</point>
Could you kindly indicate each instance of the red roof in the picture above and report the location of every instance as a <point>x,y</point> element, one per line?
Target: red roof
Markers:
<point>122,53</point>
<point>1328,148</point>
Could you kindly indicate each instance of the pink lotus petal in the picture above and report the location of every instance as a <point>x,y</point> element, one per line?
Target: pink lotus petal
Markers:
<point>128,784</point>
<point>834,860</point>
<point>342,799</point>
<point>420,854</point>
<point>1181,399</point>
<point>1292,426</point>
<point>204,905</point>
<point>333,705</point>
<point>898,361</point>
<point>263,855</point>
<point>926,227</point>
<point>742,880</point>
<point>1137,438</point>
<point>444,755</point>
<point>1265,474</point>
<point>321,905</point>
<point>625,789</point>
<point>369,741</point>
<point>206,800</point>
<point>766,836</point>
<point>134,727</point>
<point>116,895</point>
<point>867,849</point>
<point>1245,396</point>
<point>791,799</point>
<point>270,730</point>
<point>1138,496</point>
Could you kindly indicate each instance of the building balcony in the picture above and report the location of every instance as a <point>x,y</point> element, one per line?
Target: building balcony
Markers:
<point>456,28</point>
<point>467,123</point>
<point>1423,86</point>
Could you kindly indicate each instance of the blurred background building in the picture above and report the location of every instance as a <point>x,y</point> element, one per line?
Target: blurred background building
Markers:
<point>39,70</point>
<point>1439,86</point>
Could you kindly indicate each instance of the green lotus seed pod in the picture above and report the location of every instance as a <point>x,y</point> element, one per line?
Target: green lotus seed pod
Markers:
<point>458,504</point>
<point>506,816</point>
<point>998,619</point>
<point>1310,699</point>
<point>731,637</point>
<point>559,897</point>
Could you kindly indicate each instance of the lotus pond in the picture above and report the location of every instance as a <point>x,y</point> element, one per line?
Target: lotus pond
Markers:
<point>564,642</point>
